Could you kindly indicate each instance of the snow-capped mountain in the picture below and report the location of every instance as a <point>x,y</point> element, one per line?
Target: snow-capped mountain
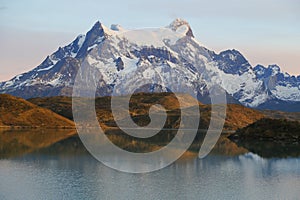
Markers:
<point>169,54</point>
<point>280,84</point>
<point>283,89</point>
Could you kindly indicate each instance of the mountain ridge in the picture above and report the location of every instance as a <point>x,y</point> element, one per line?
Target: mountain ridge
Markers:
<point>169,54</point>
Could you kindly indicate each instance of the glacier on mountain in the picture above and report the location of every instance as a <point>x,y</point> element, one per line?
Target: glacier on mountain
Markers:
<point>168,54</point>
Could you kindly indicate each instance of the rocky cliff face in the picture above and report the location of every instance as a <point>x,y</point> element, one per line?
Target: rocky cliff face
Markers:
<point>169,55</point>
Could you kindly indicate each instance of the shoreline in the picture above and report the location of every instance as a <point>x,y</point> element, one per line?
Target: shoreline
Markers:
<point>35,127</point>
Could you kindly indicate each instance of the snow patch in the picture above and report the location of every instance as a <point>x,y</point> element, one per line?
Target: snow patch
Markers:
<point>92,61</point>
<point>46,69</point>
<point>81,40</point>
<point>55,82</point>
<point>129,65</point>
<point>286,93</point>
<point>151,37</point>
<point>232,57</point>
<point>91,47</point>
<point>182,29</point>
<point>286,75</point>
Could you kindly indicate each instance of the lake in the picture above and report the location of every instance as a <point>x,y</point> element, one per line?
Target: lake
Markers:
<point>66,171</point>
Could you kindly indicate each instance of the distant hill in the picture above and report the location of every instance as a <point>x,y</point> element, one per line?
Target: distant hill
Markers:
<point>274,114</point>
<point>238,116</point>
<point>270,129</point>
<point>60,105</point>
<point>19,112</point>
<point>270,138</point>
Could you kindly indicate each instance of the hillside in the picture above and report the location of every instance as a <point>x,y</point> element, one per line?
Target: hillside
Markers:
<point>270,138</point>
<point>238,116</point>
<point>19,112</point>
<point>171,56</point>
<point>275,114</point>
<point>270,129</point>
<point>60,105</point>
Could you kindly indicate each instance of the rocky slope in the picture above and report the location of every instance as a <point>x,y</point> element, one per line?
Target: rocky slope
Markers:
<point>168,56</point>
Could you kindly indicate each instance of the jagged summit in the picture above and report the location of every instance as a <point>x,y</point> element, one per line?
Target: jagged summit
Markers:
<point>181,25</point>
<point>97,25</point>
<point>167,54</point>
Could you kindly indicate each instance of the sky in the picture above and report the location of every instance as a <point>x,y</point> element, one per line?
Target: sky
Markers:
<point>264,31</point>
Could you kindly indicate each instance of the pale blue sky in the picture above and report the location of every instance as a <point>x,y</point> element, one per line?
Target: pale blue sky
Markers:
<point>265,31</point>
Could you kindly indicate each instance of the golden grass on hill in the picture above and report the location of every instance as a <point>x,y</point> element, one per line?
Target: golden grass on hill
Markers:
<point>238,116</point>
<point>19,112</point>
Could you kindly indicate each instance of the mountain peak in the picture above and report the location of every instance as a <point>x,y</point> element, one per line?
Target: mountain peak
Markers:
<point>232,52</point>
<point>182,26</point>
<point>259,67</point>
<point>274,68</point>
<point>94,36</point>
<point>157,53</point>
<point>97,25</point>
<point>232,62</point>
<point>97,29</point>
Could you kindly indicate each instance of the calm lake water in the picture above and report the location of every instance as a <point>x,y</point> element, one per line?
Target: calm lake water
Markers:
<point>61,175</point>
